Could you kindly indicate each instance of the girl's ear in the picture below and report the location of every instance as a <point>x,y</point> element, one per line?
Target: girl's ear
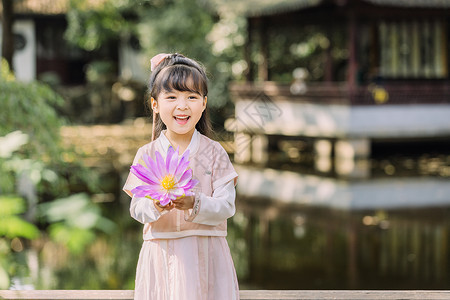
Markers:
<point>204,102</point>
<point>154,104</point>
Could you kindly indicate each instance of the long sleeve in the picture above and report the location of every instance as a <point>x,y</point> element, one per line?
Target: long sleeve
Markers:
<point>143,210</point>
<point>216,209</point>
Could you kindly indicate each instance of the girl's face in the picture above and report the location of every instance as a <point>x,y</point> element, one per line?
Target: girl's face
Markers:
<point>179,110</point>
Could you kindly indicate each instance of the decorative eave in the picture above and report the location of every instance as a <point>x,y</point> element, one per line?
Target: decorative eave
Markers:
<point>412,3</point>
<point>256,8</point>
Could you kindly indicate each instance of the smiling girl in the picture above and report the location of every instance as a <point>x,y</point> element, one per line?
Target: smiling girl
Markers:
<point>185,254</point>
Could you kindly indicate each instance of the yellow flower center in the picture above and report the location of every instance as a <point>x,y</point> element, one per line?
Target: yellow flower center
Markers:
<point>168,182</point>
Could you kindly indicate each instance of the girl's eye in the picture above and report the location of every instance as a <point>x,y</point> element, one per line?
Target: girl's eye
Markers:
<point>194,97</point>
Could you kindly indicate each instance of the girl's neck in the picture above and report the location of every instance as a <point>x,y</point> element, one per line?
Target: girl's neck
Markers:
<point>180,141</point>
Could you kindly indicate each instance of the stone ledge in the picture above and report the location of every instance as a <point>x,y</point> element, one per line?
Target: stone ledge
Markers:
<point>244,294</point>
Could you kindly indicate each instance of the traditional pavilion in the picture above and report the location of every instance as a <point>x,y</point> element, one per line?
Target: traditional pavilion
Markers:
<point>381,71</point>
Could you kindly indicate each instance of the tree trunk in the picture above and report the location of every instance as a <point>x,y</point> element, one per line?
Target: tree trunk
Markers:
<point>8,38</point>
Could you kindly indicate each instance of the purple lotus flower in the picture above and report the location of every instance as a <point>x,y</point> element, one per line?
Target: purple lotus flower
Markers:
<point>166,180</point>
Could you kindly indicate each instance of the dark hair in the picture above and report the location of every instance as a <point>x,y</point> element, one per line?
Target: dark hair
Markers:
<point>177,72</point>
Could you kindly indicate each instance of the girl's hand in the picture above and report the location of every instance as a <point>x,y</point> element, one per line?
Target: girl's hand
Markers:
<point>184,203</point>
<point>159,207</point>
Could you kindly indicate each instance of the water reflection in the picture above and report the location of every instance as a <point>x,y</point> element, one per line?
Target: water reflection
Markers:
<point>310,221</point>
<point>385,192</point>
<point>308,248</point>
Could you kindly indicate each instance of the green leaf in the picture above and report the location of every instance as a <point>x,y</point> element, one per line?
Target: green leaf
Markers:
<point>75,239</point>
<point>14,226</point>
<point>4,279</point>
<point>11,205</point>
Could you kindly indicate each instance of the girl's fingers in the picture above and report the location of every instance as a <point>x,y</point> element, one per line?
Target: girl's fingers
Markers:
<point>184,203</point>
<point>168,206</point>
<point>179,204</point>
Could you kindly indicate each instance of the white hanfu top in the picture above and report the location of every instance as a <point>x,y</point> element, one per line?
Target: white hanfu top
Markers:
<point>214,195</point>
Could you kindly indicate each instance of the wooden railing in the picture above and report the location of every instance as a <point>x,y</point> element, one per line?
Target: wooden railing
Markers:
<point>244,294</point>
<point>389,92</point>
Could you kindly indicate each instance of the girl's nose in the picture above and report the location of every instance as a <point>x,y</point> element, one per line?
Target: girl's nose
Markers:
<point>182,103</point>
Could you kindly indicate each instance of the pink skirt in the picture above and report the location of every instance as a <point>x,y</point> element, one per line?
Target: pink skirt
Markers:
<point>189,268</point>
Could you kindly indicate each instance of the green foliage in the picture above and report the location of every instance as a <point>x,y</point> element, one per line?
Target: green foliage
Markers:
<point>31,111</point>
<point>11,224</point>
<point>92,25</point>
<point>74,220</point>
<point>33,163</point>
<point>176,26</point>
<point>186,27</point>
<point>183,26</point>
<point>5,72</point>
<point>30,107</point>
<point>4,263</point>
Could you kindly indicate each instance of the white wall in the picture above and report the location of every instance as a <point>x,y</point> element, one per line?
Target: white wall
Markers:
<point>24,60</point>
<point>342,121</point>
<point>133,65</point>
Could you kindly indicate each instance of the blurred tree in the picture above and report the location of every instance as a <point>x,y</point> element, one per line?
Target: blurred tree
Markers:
<point>39,177</point>
<point>183,26</point>
<point>92,24</point>
<point>7,35</point>
<point>32,108</point>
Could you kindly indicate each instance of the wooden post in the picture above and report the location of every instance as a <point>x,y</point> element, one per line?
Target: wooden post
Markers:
<point>7,30</point>
<point>249,73</point>
<point>243,147</point>
<point>263,65</point>
<point>329,57</point>
<point>352,59</point>
<point>323,150</point>
<point>352,254</point>
<point>353,148</point>
<point>352,157</point>
<point>260,149</point>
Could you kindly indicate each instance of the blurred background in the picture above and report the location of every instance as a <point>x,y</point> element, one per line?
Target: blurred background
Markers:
<point>336,114</point>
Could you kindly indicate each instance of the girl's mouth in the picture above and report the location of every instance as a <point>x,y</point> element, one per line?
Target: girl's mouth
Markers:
<point>182,119</point>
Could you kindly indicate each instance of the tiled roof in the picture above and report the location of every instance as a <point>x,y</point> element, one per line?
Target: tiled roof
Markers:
<point>243,7</point>
<point>46,7</point>
<point>40,7</point>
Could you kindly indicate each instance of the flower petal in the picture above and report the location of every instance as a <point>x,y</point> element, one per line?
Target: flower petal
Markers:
<point>181,168</point>
<point>145,190</point>
<point>151,165</point>
<point>189,193</point>
<point>186,153</point>
<point>164,200</point>
<point>170,153</point>
<point>177,192</point>
<point>190,185</point>
<point>172,162</point>
<point>161,168</point>
<point>144,174</point>
<point>184,179</point>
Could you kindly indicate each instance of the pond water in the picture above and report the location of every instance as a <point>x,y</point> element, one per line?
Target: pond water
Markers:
<point>295,229</point>
<point>385,225</point>
<point>319,248</point>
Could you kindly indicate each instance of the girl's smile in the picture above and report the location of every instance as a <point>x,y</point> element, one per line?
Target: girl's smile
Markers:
<point>180,111</point>
<point>182,119</point>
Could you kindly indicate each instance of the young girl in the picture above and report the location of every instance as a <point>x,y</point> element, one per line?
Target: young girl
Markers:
<point>185,254</point>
